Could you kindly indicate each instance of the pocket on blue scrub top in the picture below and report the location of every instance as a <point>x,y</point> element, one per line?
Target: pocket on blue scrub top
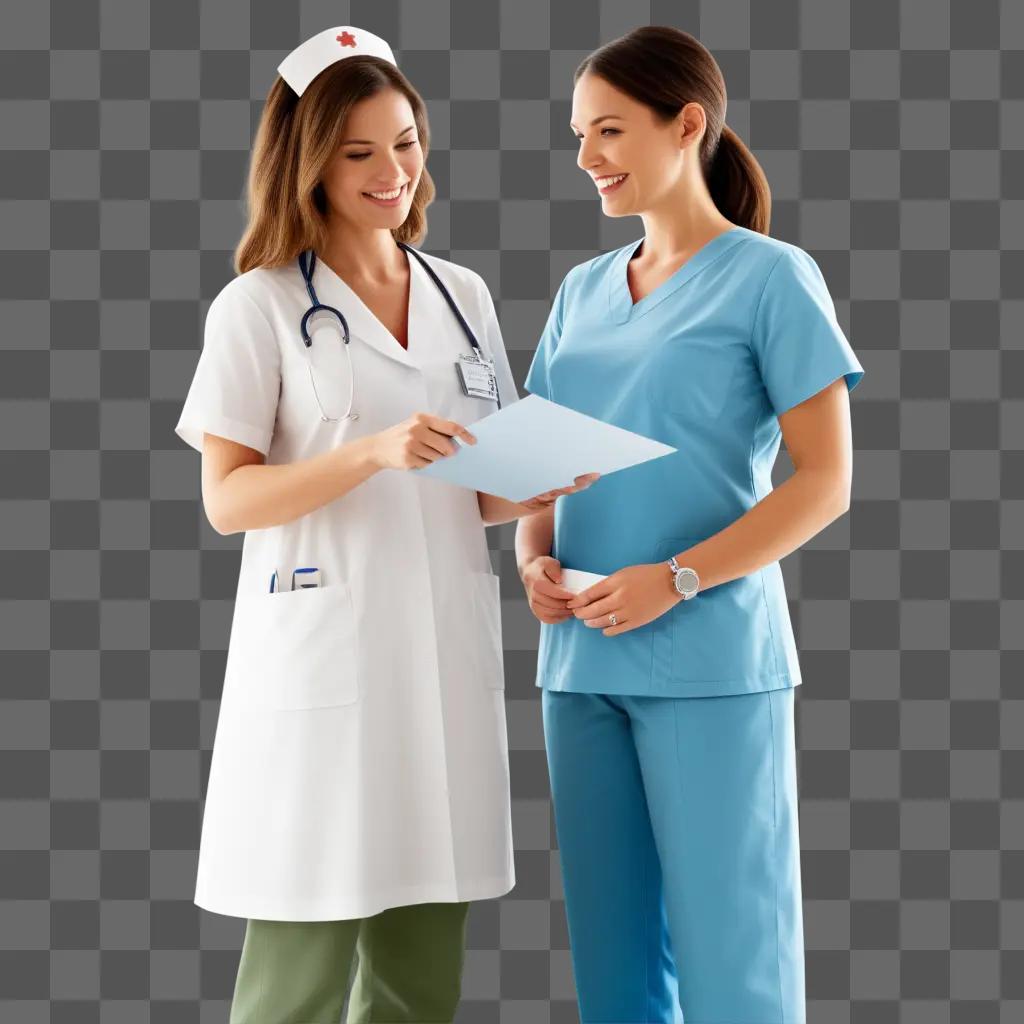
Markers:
<point>691,374</point>
<point>296,649</point>
<point>709,638</point>
<point>487,620</point>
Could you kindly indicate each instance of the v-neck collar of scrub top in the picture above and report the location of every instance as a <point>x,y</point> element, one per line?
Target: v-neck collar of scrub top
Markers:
<point>621,307</point>
<point>362,322</point>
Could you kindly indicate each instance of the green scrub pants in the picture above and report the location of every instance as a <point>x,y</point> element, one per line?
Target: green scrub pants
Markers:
<point>410,968</point>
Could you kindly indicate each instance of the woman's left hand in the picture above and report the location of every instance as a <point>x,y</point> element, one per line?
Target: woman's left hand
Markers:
<point>539,502</point>
<point>635,596</point>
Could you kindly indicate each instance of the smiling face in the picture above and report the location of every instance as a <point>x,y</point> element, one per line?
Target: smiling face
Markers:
<point>635,159</point>
<point>371,180</point>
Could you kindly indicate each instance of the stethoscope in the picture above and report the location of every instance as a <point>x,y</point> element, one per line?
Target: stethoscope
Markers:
<point>319,307</point>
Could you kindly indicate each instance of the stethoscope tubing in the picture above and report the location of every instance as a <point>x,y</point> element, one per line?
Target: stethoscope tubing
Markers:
<point>307,267</point>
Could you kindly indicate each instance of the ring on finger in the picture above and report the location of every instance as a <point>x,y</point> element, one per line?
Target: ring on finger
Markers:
<point>613,619</point>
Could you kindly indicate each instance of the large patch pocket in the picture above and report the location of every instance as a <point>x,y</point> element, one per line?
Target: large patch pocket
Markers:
<point>296,649</point>
<point>487,619</point>
<point>720,635</point>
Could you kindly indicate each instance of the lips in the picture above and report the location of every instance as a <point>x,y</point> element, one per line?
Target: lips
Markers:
<point>610,182</point>
<point>389,197</point>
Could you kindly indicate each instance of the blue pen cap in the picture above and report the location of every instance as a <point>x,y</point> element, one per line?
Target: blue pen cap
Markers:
<point>307,576</point>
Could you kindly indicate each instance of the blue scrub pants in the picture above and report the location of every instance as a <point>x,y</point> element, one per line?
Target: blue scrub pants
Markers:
<point>678,834</point>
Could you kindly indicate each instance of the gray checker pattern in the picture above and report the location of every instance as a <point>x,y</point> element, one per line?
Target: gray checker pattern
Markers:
<point>892,135</point>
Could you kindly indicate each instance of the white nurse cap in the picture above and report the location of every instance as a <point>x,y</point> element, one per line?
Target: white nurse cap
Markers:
<point>308,59</point>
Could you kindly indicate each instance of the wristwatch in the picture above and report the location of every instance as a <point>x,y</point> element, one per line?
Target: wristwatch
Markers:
<point>686,579</point>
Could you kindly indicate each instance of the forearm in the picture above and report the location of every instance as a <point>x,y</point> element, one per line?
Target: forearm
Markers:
<point>533,537</point>
<point>784,520</point>
<point>254,497</point>
<point>494,509</point>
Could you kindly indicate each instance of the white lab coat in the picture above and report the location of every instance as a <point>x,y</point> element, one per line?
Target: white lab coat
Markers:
<point>360,758</point>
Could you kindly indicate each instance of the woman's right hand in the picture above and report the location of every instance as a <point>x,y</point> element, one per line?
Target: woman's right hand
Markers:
<point>417,441</point>
<point>544,593</point>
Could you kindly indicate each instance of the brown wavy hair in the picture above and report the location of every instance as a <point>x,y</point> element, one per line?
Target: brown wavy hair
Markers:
<point>665,68</point>
<point>296,139</point>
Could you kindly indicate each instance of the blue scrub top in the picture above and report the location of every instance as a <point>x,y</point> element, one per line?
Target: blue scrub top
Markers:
<point>742,331</point>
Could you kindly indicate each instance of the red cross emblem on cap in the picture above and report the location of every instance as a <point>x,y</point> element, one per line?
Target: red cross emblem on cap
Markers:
<point>346,39</point>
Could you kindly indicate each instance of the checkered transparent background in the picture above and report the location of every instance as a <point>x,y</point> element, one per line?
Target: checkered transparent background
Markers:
<point>892,136</point>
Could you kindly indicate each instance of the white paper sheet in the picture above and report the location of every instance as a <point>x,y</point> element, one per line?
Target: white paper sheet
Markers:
<point>578,580</point>
<point>535,445</point>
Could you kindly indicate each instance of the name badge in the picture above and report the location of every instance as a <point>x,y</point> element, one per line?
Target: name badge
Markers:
<point>477,377</point>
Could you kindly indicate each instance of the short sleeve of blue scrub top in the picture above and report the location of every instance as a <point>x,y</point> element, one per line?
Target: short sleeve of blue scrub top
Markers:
<point>537,376</point>
<point>706,362</point>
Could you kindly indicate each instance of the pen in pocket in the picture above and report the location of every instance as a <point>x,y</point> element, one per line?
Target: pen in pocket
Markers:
<point>306,577</point>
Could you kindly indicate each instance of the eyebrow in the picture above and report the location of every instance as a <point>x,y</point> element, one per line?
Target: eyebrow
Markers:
<point>598,120</point>
<point>369,142</point>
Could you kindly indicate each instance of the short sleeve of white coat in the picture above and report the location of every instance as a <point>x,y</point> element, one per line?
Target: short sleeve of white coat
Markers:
<point>237,380</point>
<point>494,346</point>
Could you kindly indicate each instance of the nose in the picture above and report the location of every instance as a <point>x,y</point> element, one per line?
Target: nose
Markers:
<point>589,154</point>
<point>391,170</point>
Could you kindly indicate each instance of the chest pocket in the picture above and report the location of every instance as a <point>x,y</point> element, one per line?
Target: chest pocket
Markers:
<point>691,372</point>
<point>295,649</point>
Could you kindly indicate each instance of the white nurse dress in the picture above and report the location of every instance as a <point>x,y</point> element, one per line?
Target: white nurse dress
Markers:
<point>360,759</point>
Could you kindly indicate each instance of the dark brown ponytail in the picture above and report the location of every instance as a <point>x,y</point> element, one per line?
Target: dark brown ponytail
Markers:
<point>666,68</point>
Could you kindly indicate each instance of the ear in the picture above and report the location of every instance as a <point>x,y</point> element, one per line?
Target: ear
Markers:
<point>692,124</point>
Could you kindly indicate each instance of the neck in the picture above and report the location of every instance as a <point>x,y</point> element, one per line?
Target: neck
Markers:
<point>360,253</point>
<point>676,228</point>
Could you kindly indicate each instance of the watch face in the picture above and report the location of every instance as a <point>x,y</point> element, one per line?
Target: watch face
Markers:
<point>686,581</point>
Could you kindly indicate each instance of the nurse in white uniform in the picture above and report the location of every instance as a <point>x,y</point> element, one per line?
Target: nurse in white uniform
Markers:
<point>358,794</point>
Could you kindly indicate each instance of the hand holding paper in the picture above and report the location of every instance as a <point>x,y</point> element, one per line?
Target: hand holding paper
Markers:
<point>539,502</point>
<point>534,446</point>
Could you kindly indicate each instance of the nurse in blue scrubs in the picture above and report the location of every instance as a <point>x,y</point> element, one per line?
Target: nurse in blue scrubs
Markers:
<point>669,720</point>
